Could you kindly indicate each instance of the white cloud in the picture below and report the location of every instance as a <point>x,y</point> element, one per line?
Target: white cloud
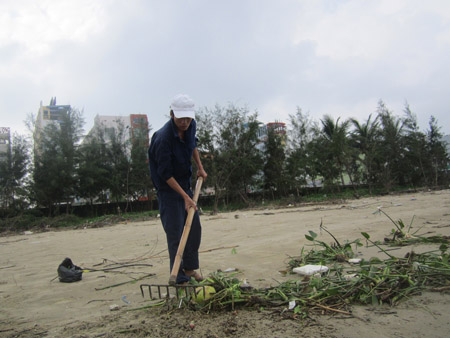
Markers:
<point>366,29</point>
<point>326,57</point>
<point>352,29</point>
<point>36,25</point>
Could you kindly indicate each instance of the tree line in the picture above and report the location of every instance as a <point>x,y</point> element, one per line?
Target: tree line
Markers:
<point>384,152</point>
<point>58,167</point>
<point>240,155</point>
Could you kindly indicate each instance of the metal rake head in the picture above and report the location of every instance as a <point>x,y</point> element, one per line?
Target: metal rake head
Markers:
<point>156,291</point>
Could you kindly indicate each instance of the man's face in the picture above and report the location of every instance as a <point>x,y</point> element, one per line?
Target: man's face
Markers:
<point>182,123</point>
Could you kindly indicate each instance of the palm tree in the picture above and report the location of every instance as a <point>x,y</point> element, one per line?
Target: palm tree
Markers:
<point>392,149</point>
<point>415,146</point>
<point>438,156</point>
<point>365,138</point>
<point>335,137</point>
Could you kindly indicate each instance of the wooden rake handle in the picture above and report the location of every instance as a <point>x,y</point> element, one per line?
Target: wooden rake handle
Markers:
<point>185,235</point>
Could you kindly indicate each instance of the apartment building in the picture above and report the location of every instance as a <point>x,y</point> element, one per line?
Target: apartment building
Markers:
<point>52,113</point>
<point>132,124</point>
<point>5,143</point>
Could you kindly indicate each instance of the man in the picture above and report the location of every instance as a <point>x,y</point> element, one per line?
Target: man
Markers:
<point>171,149</point>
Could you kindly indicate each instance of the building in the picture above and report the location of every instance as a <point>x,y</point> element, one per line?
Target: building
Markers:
<point>108,124</point>
<point>277,127</point>
<point>51,114</point>
<point>5,143</point>
<point>139,123</point>
<point>262,132</point>
<point>132,125</point>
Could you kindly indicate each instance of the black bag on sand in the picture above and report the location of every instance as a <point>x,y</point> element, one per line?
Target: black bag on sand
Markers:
<point>68,272</point>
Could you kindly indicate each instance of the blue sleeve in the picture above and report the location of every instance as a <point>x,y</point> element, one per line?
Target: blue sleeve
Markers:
<point>193,137</point>
<point>163,158</point>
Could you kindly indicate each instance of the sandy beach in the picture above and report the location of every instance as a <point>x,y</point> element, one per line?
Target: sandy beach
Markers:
<point>257,242</point>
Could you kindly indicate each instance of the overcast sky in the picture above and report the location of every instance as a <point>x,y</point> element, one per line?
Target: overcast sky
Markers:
<point>112,57</point>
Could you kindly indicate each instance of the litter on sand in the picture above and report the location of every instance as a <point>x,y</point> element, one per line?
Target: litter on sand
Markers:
<point>355,260</point>
<point>309,270</point>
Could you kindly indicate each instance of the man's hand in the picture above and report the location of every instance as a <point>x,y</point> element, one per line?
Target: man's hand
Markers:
<point>188,203</point>
<point>202,173</point>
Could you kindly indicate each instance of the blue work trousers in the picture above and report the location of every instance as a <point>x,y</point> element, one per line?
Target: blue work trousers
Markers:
<point>173,217</point>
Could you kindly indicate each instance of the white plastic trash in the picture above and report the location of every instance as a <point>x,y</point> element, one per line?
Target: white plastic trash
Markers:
<point>308,270</point>
<point>230,270</point>
<point>355,260</point>
<point>114,307</point>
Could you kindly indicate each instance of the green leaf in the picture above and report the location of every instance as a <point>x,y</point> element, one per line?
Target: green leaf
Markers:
<point>309,238</point>
<point>312,234</point>
<point>332,292</point>
<point>366,235</point>
<point>233,251</point>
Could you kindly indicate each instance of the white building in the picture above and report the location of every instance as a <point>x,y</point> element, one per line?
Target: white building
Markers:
<point>130,123</point>
<point>5,143</point>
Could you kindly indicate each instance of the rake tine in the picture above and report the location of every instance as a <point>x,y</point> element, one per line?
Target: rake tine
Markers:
<point>178,289</point>
<point>142,289</point>
<point>203,289</point>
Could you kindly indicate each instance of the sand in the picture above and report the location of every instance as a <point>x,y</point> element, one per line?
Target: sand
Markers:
<point>256,242</point>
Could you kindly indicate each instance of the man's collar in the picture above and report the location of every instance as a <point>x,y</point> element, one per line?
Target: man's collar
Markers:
<point>174,128</point>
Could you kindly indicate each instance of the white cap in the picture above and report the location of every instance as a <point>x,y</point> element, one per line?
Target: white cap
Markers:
<point>183,106</point>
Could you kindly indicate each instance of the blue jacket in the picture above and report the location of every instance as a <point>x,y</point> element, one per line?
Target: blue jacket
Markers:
<point>169,156</point>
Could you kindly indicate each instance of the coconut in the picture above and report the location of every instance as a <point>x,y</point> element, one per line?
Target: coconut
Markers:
<point>203,294</point>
